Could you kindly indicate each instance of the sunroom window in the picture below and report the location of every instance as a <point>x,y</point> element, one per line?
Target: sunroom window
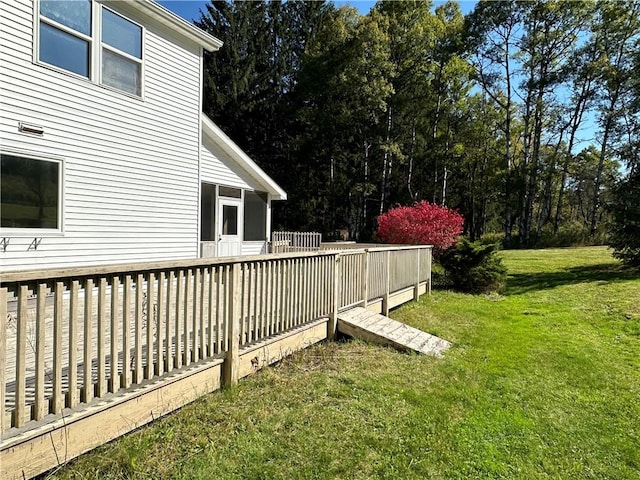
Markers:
<point>255,216</point>
<point>29,193</point>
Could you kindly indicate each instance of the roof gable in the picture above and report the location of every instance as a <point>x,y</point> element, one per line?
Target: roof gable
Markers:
<point>211,131</point>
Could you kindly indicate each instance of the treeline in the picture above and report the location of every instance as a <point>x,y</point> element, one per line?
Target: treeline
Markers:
<point>522,115</point>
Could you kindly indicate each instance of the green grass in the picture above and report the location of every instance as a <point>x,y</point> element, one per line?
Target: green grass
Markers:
<point>543,381</point>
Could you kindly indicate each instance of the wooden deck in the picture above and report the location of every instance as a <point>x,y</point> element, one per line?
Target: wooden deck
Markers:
<point>88,354</point>
<point>374,327</point>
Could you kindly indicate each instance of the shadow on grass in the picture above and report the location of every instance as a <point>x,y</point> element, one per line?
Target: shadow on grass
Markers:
<point>605,273</point>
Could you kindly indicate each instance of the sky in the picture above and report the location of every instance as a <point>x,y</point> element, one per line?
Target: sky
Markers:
<point>190,9</point>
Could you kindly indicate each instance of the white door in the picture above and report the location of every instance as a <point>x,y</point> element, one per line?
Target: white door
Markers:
<point>229,227</point>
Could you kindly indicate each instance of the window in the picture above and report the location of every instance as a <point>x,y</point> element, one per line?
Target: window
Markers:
<point>65,35</point>
<point>255,216</point>
<point>207,212</point>
<point>121,53</point>
<point>230,192</point>
<point>92,41</point>
<point>229,220</point>
<point>30,193</point>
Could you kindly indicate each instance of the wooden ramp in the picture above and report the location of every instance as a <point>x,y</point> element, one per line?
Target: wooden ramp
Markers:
<point>373,327</point>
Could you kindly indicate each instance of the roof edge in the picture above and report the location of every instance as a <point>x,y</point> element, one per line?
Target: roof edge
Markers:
<point>221,139</point>
<point>167,17</point>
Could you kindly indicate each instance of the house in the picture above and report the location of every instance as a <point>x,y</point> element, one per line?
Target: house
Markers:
<point>106,154</point>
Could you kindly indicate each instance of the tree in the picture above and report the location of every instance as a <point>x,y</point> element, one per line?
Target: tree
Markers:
<point>624,231</point>
<point>421,224</point>
<point>618,28</point>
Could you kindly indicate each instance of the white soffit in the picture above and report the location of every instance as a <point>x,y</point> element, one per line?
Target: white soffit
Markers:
<point>219,138</point>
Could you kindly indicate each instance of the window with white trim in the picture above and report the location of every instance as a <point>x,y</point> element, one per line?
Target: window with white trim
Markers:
<point>30,193</point>
<point>90,40</point>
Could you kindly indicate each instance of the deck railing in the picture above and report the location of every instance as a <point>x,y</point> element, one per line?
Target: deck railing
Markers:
<point>285,242</point>
<point>75,335</point>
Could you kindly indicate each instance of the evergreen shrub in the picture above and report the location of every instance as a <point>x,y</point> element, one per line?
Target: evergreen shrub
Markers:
<point>474,268</point>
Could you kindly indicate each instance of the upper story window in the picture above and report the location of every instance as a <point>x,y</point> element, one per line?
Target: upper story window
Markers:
<point>121,53</point>
<point>90,40</point>
<point>65,35</point>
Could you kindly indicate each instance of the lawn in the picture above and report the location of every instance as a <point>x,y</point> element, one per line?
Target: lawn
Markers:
<point>542,381</point>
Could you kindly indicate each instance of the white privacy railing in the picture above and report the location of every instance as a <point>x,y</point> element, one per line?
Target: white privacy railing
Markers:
<point>79,334</point>
<point>285,242</point>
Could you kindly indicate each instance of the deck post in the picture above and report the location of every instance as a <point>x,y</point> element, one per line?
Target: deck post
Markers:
<point>416,287</point>
<point>385,297</point>
<point>232,359</point>
<point>333,317</point>
<point>365,278</point>
<point>429,266</point>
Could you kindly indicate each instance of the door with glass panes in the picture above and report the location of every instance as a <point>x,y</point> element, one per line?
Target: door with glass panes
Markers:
<point>229,227</point>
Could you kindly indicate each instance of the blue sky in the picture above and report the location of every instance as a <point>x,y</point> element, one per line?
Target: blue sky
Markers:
<point>190,9</point>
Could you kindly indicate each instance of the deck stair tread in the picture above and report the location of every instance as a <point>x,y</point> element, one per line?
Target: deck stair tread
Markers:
<point>361,323</point>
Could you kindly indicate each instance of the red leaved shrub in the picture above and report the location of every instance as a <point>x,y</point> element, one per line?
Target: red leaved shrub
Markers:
<point>422,224</point>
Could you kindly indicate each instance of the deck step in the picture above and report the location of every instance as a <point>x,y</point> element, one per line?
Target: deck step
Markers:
<point>361,323</point>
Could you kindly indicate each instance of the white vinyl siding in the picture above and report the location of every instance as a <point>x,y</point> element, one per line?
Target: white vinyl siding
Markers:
<point>254,248</point>
<point>218,168</point>
<point>131,189</point>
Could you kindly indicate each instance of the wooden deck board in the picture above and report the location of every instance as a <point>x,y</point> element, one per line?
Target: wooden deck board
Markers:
<point>362,323</point>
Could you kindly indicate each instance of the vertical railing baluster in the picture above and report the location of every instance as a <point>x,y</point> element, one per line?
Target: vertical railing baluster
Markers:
<point>219,307</point>
<point>126,332</point>
<point>139,322</point>
<point>254,332</point>
<point>269,293</point>
<point>289,294</point>
<point>227,305</point>
<point>160,322</point>
<point>387,277</point>
<point>293,289</point>
<point>169,331</point>
<point>201,319</point>
<point>304,290</point>
<point>150,368</point>
<point>87,362</point>
<point>72,394</point>
<point>270,300</point>
<point>57,402</point>
<point>186,341</point>
<point>114,379</point>
<point>177,361</point>
<point>263,300</point>
<point>21,358</point>
<point>248,331</point>
<point>280,294</point>
<point>197,276</point>
<point>365,278</point>
<point>101,383</point>
<point>212,305</point>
